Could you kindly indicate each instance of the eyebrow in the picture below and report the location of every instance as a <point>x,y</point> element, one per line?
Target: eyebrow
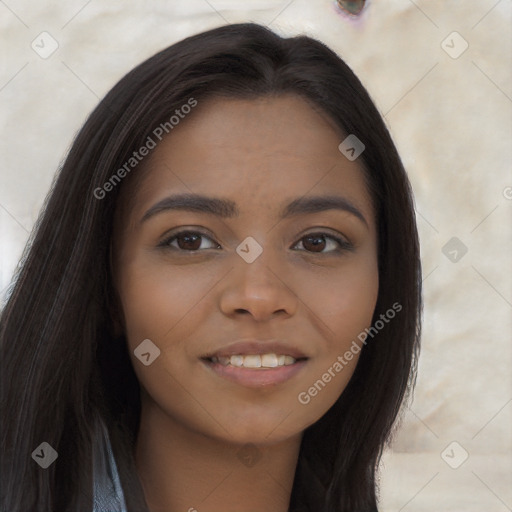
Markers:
<point>226,208</point>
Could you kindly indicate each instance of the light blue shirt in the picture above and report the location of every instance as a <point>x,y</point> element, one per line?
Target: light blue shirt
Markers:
<point>108,493</point>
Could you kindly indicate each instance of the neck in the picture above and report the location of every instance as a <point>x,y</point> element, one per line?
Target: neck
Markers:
<point>187,471</point>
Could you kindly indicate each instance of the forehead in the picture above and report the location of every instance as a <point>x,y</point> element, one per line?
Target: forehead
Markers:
<point>261,152</point>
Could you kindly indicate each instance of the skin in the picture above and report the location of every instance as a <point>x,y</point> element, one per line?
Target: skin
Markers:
<point>191,298</point>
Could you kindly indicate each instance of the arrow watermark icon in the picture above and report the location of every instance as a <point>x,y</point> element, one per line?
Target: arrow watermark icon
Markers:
<point>249,249</point>
<point>146,352</point>
<point>454,249</point>
<point>45,455</point>
<point>351,147</point>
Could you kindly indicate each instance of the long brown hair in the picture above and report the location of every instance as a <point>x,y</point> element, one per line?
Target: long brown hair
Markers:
<point>62,366</point>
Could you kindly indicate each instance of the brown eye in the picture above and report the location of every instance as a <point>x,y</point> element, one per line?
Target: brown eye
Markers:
<point>190,241</point>
<point>314,243</point>
<point>318,242</point>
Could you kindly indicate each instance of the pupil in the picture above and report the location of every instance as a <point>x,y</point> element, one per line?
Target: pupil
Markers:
<point>189,239</point>
<point>318,240</point>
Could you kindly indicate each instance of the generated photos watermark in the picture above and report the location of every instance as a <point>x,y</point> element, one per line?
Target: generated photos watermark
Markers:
<point>304,397</point>
<point>158,133</point>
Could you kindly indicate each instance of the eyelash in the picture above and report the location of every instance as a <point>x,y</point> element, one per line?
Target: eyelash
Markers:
<point>344,245</point>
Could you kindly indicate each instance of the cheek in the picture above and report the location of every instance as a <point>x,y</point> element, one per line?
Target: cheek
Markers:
<point>340,306</point>
<point>155,299</point>
<point>166,305</point>
<point>350,307</point>
<point>342,302</point>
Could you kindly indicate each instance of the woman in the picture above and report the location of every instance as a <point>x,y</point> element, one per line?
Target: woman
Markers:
<point>219,308</point>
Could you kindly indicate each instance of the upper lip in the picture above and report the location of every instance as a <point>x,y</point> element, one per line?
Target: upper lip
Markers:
<point>257,347</point>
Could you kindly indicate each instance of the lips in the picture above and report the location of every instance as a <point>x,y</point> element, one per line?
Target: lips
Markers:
<point>256,363</point>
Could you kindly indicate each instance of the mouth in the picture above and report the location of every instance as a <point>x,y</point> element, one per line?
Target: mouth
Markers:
<point>256,361</point>
<point>256,364</point>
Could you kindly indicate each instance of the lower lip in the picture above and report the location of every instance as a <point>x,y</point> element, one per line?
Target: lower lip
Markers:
<point>256,378</point>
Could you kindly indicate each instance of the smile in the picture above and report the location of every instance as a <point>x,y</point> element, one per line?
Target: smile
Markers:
<point>255,361</point>
<point>255,371</point>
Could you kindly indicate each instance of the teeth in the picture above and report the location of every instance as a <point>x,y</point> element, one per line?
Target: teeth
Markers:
<point>252,361</point>
<point>236,360</point>
<point>255,360</point>
<point>269,360</point>
<point>288,360</point>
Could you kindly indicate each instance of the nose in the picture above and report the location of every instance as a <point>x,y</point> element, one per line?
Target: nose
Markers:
<point>258,290</point>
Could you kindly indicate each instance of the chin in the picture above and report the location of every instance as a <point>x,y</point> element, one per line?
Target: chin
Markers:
<point>263,429</point>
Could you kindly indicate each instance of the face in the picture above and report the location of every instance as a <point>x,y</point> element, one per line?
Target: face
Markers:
<point>272,275</point>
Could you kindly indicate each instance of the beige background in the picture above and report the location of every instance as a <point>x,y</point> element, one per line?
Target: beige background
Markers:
<point>451,118</point>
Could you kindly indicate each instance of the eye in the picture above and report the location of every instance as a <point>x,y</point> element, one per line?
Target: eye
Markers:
<point>189,241</point>
<point>317,242</point>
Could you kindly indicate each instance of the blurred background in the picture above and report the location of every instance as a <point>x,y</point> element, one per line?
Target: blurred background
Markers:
<point>439,72</point>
